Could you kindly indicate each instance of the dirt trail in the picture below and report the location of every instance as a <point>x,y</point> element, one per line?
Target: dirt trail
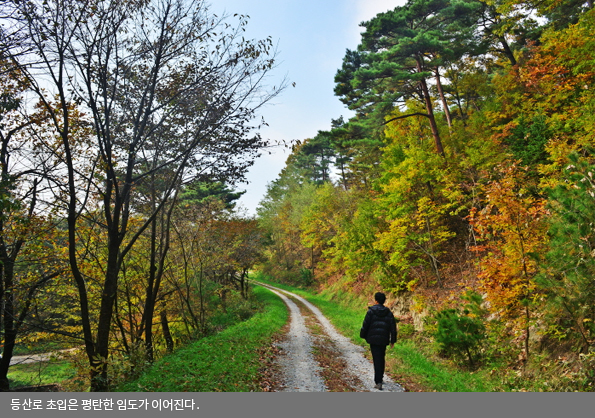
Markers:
<point>35,358</point>
<point>300,371</point>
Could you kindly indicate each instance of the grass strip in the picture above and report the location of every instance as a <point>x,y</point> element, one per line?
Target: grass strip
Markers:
<point>226,362</point>
<point>40,373</point>
<point>406,360</point>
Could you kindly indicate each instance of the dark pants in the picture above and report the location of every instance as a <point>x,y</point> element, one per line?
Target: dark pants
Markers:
<point>378,353</point>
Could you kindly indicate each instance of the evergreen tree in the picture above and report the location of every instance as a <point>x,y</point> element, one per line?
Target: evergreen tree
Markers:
<point>199,192</point>
<point>400,50</point>
<point>357,148</point>
<point>314,157</point>
<point>569,265</point>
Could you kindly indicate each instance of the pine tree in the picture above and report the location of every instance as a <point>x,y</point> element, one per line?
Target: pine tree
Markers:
<point>569,266</point>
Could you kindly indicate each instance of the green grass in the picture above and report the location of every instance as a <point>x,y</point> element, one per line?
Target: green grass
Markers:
<point>226,362</point>
<point>409,360</point>
<point>347,312</point>
<point>40,373</point>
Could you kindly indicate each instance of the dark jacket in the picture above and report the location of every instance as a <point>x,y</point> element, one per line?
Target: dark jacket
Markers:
<point>379,327</point>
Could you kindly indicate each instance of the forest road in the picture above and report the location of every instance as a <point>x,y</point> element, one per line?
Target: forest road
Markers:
<point>299,369</point>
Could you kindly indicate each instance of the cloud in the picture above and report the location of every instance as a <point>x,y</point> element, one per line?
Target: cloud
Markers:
<point>367,9</point>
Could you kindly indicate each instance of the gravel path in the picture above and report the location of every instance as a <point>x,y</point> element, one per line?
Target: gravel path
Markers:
<point>300,370</point>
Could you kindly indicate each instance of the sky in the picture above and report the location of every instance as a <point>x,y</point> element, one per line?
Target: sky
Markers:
<point>312,37</point>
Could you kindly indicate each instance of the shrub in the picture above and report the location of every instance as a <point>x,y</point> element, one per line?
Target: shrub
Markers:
<point>406,330</point>
<point>458,333</point>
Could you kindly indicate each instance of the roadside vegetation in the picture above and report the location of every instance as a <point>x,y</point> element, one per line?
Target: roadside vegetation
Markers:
<point>235,359</point>
<point>117,228</point>
<point>417,362</point>
<point>229,358</point>
<point>230,361</point>
<point>52,372</point>
<point>415,368</point>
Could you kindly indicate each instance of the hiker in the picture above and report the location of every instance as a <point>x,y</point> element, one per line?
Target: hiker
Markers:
<point>379,330</point>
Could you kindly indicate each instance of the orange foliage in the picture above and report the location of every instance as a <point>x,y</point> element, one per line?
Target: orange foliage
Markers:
<point>512,229</point>
<point>552,79</point>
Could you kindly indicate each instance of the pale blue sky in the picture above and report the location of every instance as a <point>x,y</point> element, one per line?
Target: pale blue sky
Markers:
<point>312,36</point>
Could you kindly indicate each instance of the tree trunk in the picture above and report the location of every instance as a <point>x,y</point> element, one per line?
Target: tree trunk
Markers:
<point>470,357</point>
<point>444,103</point>
<point>528,318</point>
<point>10,332</point>
<point>430,111</point>
<point>157,261</point>
<point>243,285</point>
<point>223,297</point>
<point>312,260</point>
<point>463,115</point>
<point>149,301</point>
<point>99,376</point>
<point>203,312</point>
<point>433,259</point>
<point>120,325</point>
<point>507,51</point>
<point>7,352</point>
<point>169,342</point>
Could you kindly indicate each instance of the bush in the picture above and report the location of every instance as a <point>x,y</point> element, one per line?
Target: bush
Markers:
<point>459,334</point>
<point>406,330</point>
<point>306,277</point>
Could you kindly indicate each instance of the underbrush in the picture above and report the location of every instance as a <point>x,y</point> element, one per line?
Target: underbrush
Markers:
<point>234,334</point>
<point>128,366</point>
<point>229,361</point>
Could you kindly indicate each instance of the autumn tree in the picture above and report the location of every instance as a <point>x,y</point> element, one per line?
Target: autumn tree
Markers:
<point>194,244</point>
<point>512,229</point>
<point>164,77</point>
<point>280,214</point>
<point>29,240</point>
<point>245,249</point>
<point>558,14</point>
<point>418,201</point>
<point>340,227</point>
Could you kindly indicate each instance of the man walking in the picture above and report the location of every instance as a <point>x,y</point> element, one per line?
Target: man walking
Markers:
<point>379,329</point>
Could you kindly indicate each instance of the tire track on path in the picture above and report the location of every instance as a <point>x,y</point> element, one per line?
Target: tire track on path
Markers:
<point>357,365</point>
<point>301,372</point>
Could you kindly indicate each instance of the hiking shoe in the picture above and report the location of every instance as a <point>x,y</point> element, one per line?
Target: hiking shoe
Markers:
<point>378,386</point>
